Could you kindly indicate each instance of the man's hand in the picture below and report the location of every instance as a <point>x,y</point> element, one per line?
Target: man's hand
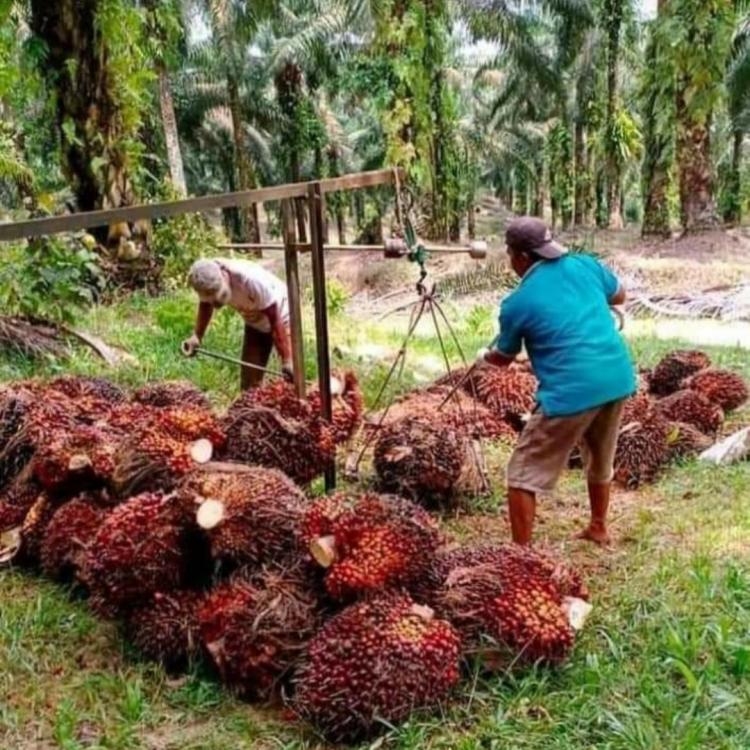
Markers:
<point>493,357</point>
<point>190,345</point>
<point>287,370</point>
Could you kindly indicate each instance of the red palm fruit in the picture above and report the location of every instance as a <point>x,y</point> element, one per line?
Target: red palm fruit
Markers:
<point>374,663</point>
<point>721,387</point>
<point>419,459</point>
<point>76,387</point>
<point>249,516</point>
<point>189,424</point>
<point>509,392</point>
<point>23,507</point>
<point>369,542</point>
<point>641,451</point>
<point>271,427</point>
<point>14,453</point>
<point>175,393</point>
<point>34,528</point>
<point>691,407</point>
<point>127,417</point>
<point>165,628</point>
<point>467,586</point>
<point>668,375</point>
<point>453,410</point>
<point>347,406</point>
<point>255,627</point>
<point>16,501</point>
<point>637,407</point>
<point>685,441</point>
<point>527,618</point>
<point>82,455</point>
<point>70,530</point>
<point>157,456</point>
<point>501,562</point>
<point>139,549</point>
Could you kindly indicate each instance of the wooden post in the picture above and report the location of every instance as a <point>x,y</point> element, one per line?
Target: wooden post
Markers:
<point>321,312</point>
<point>293,293</point>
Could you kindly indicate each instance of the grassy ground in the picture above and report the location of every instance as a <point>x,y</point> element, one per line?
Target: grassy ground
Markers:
<point>663,663</point>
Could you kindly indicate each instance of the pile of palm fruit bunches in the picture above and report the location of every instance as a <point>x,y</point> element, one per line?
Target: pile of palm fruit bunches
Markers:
<point>197,531</point>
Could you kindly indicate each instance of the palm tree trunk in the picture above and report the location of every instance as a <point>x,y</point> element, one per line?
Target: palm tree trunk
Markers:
<point>245,177</point>
<point>658,143</point>
<point>613,10</point>
<point>696,176</point>
<point>171,136</point>
<point>581,175</point>
<point>733,210</point>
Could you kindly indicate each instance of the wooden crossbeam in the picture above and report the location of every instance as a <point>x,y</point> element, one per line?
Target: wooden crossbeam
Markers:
<point>74,222</point>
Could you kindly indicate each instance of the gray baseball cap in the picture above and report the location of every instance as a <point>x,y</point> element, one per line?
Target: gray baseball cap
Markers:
<point>528,234</point>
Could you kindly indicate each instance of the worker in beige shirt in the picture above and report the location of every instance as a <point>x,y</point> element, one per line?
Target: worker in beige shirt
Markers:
<point>259,297</point>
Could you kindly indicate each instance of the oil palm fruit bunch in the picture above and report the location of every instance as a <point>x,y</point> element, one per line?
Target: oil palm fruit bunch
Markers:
<point>165,627</point>
<point>255,627</point>
<point>374,663</point>
<point>25,510</point>
<point>76,457</point>
<point>369,542</point>
<point>250,515</point>
<point>692,407</point>
<point>139,549</point>
<point>271,427</point>
<point>637,407</point>
<point>641,451</point>
<point>174,393</point>
<point>507,601</point>
<point>685,441</point>
<point>159,453</point>
<point>71,529</point>
<point>453,410</point>
<point>509,391</point>
<point>14,409</point>
<point>721,387</point>
<point>347,405</point>
<point>78,387</point>
<point>419,459</point>
<point>672,369</point>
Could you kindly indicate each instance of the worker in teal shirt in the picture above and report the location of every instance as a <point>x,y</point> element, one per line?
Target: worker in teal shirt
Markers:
<point>560,313</point>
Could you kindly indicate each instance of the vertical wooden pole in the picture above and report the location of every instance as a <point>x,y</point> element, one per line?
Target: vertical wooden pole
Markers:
<point>321,312</point>
<point>293,293</point>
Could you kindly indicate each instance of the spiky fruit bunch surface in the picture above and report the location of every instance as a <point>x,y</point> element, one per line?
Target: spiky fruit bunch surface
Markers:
<point>129,416</point>
<point>78,387</point>
<point>69,532</point>
<point>637,407</point>
<point>641,451</point>
<point>369,542</point>
<point>722,387</point>
<point>672,369</point>
<point>251,516</point>
<point>455,410</point>
<point>165,628</point>
<point>81,455</point>
<point>168,446</point>
<point>179,393</point>
<point>509,392</point>
<point>271,427</point>
<point>16,501</point>
<point>255,628</point>
<point>373,664</point>
<point>419,459</point>
<point>509,594</point>
<point>685,441</point>
<point>692,407</point>
<point>138,550</point>
<point>347,406</point>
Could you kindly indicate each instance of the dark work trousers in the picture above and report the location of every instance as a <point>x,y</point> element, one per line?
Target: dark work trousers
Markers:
<point>256,349</point>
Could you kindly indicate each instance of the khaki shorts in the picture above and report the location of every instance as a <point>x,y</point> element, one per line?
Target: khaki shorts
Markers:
<point>543,450</point>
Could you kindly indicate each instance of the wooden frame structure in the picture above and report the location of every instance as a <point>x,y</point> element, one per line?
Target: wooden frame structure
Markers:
<point>313,192</point>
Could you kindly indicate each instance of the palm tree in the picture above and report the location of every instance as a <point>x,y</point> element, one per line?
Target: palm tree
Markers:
<point>701,36</point>
<point>658,92</point>
<point>738,106</point>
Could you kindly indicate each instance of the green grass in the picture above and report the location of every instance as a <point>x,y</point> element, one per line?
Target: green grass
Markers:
<point>664,661</point>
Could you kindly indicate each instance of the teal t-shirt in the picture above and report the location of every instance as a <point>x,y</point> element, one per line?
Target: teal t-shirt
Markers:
<point>560,313</point>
